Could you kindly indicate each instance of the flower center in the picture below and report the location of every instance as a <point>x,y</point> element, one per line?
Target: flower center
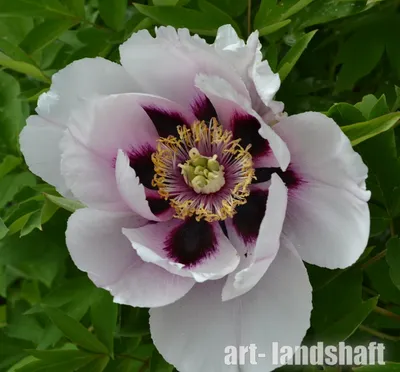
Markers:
<point>203,172</point>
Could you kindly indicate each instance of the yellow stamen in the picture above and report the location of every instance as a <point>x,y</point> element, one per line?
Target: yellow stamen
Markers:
<point>199,171</point>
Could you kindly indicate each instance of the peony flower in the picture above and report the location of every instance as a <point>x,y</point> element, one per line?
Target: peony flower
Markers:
<point>202,197</point>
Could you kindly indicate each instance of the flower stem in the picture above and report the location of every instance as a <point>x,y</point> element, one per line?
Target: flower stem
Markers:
<point>374,259</point>
<point>379,334</point>
<point>386,313</point>
<point>249,17</point>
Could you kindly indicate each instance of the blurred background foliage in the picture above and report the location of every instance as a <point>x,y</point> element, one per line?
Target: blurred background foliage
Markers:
<point>341,57</point>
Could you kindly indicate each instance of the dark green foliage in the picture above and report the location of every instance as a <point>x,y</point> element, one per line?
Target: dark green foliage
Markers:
<point>335,56</point>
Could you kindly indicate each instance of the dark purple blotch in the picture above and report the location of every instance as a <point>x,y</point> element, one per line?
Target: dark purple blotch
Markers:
<point>191,242</point>
<point>246,127</point>
<point>203,109</point>
<point>165,121</point>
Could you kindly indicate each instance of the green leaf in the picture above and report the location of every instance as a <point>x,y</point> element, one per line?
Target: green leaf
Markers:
<point>381,282</point>
<point>393,52</point>
<point>33,222</point>
<point>358,57</point>
<point>113,13</point>
<point>97,365</point>
<point>23,68</point>
<point>380,108</point>
<point>218,15</point>
<point>366,105</point>
<point>345,327</point>
<point>104,314</point>
<point>32,8</point>
<point>58,355</point>
<point>387,367</point>
<point>35,256</point>
<point>323,11</point>
<point>344,114</point>
<point>12,116</point>
<point>393,260</point>
<point>77,7</point>
<point>9,163</point>
<point>44,34</point>
<point>360,132</point>
<point>165,2</point>
<point>272,11</point>
<point>67,204</point>
<point>292,56</point>
<point>11,184</point>
<point>75,331</point>
<point>274,27</point>
<point>177,17</point>
<point>3,229</point>
<point>135,322</point>
<point>158,364</point>
<point>59,366</point>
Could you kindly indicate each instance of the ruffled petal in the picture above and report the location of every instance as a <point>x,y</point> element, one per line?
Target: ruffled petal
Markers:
<point>167,64</point>
<point>188,248</point>
<point>193,334</point>
<point>255,232</point>
<point>98,247</point>
<point>246,58</point>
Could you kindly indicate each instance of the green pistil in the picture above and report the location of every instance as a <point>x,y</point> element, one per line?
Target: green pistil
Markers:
<point>204,174</point>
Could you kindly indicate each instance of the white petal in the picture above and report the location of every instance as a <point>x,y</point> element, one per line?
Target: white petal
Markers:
<point>328,226</point>
<point>246,58</point>
<point>167,64</point>
<point>98,247</point>
<point>320,151</point>
<point>253,266</point>
<point>151,244</point>
<point>192,334</point>
<point>327,216</point>
<point>39,141</point>
<point>227,39</point>
<point>79,81</point>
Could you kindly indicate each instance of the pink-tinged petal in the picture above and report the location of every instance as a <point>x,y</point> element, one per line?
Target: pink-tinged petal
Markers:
<point>231,105</point>
<point>257,253</point>
<point>98,247</point>
<point>193,333</point>
<point>70,87</point>
<point>133,192</point>
<point>328,226</point>
<point>188,248</point>
<point>89,176</point>
<point>320,151</point>
<point>167,64</point>
<point>39,141</point>
<point>90,145</point>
